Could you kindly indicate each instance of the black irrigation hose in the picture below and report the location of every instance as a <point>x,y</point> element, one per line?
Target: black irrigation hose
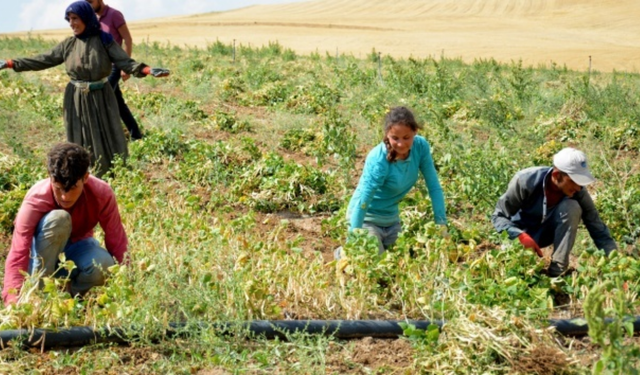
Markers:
<point>269,329</point>
<point>579,327</point>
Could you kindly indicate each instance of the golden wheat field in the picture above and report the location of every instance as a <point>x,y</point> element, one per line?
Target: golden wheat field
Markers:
<point>565,32</point>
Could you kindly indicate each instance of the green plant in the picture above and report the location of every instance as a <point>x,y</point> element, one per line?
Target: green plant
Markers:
<point>617,357</point>
<point>314,98</point>
<point>228,121</point>
<point>299,139</point>
<point>10,202</point>
<point>429,336</point>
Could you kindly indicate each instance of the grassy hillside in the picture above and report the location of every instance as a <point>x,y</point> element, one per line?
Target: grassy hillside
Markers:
<point>235,200</point>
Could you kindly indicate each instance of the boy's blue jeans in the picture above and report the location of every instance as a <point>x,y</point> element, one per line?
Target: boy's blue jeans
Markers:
<point>52,238</point>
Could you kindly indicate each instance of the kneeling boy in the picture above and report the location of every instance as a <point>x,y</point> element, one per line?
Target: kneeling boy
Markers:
<point>58,215</point>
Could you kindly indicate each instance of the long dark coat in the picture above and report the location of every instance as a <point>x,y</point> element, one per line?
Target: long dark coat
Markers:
<point>91,117</point>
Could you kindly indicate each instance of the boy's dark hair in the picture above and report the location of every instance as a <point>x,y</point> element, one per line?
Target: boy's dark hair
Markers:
<point>67,163</point>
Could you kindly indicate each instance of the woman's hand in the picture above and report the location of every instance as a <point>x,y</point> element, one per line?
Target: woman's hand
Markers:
<point>160,72</point>
<point>4,64</point>
<point>156,72</point>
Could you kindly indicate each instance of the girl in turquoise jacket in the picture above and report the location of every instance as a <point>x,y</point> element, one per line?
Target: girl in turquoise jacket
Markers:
<point>390,171</point>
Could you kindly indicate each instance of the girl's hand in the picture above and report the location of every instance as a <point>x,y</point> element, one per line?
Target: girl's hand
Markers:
<point>444,233</point>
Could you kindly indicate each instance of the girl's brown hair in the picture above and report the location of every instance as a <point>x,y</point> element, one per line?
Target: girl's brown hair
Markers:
<point>398,116</point>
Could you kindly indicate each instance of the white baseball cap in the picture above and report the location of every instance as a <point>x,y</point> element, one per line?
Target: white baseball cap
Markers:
<point>574,163</point>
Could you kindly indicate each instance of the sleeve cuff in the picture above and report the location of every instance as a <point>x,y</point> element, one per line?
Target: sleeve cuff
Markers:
<point>514,232</point>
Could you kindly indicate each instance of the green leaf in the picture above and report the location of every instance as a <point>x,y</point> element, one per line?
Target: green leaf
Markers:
<point>598,368</point>
<point>628,325</point>
<point>433,333</point>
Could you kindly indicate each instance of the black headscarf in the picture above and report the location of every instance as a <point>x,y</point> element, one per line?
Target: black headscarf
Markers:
<point>86,13</point>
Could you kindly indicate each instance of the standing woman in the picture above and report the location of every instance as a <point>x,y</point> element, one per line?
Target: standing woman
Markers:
<point>90,109</point>
<point>390,171</point>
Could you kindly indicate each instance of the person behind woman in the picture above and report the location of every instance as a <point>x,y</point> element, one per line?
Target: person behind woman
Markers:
<point>390,171</point>
<point>91,112</point>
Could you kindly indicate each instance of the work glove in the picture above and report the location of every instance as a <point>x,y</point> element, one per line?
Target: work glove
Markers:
<point>4,64</point>
<point>530,243</point>
<point>156,72</point>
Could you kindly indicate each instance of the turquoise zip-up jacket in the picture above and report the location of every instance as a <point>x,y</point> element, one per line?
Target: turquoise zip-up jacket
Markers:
<point>383,185</point>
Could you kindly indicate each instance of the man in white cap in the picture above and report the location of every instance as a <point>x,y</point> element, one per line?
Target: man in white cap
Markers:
<point>544,206</point>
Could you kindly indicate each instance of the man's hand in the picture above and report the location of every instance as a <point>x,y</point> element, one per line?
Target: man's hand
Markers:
<point>4,64</point>
<point>124,76</point>
<point>530,243</point>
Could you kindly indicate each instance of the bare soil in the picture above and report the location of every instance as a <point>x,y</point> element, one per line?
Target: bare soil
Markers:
<point>543,360</point>
<point>372,356</point>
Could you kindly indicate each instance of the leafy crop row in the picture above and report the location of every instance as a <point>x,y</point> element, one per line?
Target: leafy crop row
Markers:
<point>240,155</point>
